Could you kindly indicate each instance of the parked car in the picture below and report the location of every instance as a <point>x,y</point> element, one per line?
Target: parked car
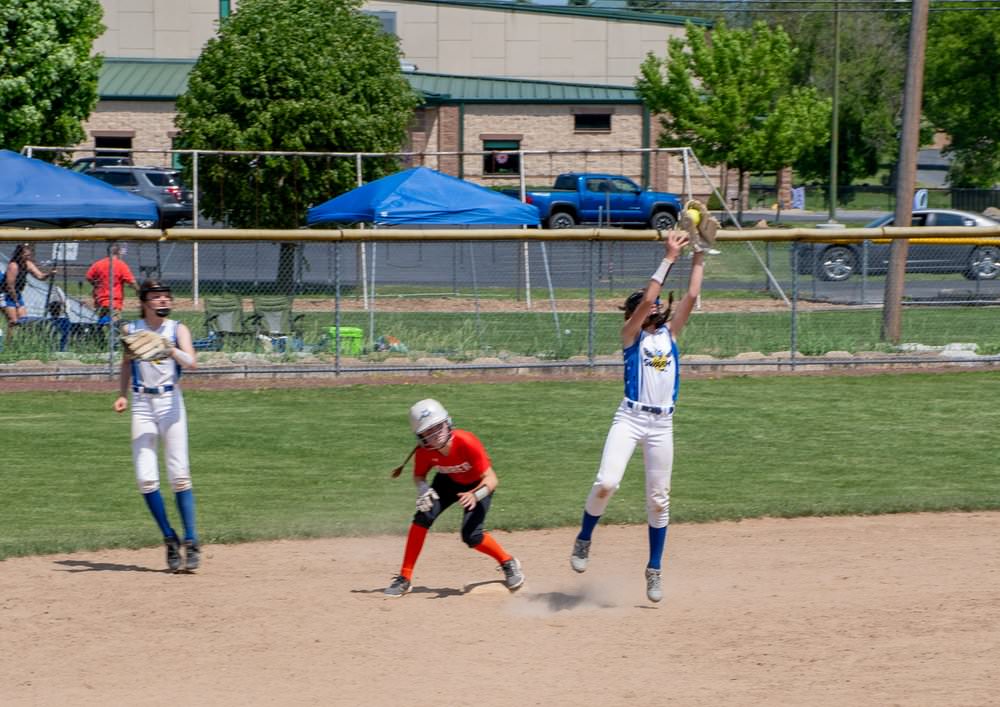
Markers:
<point>837,262</point>
<point>160,184</point>
<point>86,164</point>
<point>591,198</point>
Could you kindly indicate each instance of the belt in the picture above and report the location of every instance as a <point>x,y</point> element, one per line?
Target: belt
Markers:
<point>656,410</point>
<point>159,390</point>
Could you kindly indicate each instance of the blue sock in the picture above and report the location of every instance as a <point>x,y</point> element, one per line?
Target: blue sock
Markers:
<point>587,526</point>
<point>185,504</point>
<point>657,539</point>
<point>155,502</point>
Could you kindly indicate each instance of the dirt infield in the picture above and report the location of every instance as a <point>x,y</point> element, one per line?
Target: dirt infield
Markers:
<point>887,610</point>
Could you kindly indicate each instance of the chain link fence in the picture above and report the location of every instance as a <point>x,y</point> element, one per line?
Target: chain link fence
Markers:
<point>377,301</point>
<point>854,197</point>
<point>387,303</point>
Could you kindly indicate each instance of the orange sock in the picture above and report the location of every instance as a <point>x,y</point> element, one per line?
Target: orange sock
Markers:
<point>491,547</point>
<point>414,544</point>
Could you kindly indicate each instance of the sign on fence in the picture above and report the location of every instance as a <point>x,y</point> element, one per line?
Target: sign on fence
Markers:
<point>65,252</point>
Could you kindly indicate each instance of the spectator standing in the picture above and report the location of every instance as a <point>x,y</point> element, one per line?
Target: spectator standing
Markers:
<point>15,277</point>
<point>108,276</point>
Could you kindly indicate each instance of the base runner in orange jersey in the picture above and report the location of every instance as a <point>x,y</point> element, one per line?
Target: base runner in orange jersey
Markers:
<point>464,475</point>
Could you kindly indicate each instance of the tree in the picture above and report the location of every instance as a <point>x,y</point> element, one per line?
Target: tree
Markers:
<point>48,77</point>
<point>731,99</point>
<point>962,93</point>
<point>293,75</point>
<point>871,72</point>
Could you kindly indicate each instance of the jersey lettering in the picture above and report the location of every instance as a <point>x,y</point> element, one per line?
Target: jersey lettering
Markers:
<point>657,359</point>
<point>466,463</point>
<point>456,469</point>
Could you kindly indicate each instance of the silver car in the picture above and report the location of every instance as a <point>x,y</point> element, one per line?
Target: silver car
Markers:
<point>836,262</point>
<point>162,185</point>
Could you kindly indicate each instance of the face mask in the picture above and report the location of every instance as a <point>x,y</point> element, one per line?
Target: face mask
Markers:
<point>162,311</point>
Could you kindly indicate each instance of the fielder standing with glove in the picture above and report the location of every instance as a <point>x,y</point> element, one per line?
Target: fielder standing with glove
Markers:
<point>465,475</point>
<point>156,349</point>
<point>645,414</point>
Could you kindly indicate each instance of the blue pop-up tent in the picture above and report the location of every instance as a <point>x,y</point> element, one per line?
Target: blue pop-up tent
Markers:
<point>35,191</point>
<point>425,197</point>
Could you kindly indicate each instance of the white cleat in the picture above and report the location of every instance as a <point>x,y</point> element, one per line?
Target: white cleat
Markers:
<point>513,577</point>
<point>654,584</point>
<point>581,553</point>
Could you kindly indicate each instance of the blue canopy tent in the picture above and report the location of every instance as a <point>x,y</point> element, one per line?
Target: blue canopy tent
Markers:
<point>33,192</point>
<point>422,196</point>
<point>425,197</point>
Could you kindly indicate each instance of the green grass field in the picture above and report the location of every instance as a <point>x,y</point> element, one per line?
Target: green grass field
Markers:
<point>316,462</point>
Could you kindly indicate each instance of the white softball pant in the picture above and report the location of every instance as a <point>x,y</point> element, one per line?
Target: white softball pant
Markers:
<point>656,434</point>
<point>157,418</point>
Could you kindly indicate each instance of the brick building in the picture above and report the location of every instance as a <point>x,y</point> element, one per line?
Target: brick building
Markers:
<point>495,78</point>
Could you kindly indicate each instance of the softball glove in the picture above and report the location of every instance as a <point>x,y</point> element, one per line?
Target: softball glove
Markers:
<point>700,225</point>
<point>146,345</point>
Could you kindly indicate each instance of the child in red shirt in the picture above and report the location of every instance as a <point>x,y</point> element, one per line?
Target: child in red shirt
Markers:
<point>465,475</point>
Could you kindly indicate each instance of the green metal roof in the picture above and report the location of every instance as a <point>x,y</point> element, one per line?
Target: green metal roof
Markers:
<point>143,79</point>
<point>166,79</point>
<point>576,11</point>
<point>445,88</point>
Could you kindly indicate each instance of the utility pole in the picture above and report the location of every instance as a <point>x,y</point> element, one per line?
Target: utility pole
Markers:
<point>834,122</point>
<point>906,172</point>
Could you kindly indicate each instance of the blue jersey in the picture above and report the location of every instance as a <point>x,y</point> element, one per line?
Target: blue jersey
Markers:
<point>651,368</point>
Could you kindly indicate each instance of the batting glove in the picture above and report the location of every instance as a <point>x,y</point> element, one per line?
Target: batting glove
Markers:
<point>425,501</point>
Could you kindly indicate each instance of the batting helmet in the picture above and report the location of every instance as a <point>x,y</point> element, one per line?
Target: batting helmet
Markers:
<point>431,423</point>
<point>148,286</point>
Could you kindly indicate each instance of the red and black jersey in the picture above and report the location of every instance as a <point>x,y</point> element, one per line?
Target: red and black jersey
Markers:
<point>466,463</point>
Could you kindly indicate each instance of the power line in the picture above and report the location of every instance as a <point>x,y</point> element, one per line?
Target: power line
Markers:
<point>819,6</point>
<point>895,4</point>
<point>675,8</point>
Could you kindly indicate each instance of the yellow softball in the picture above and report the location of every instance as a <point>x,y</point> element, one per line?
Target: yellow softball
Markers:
<point>694,215</point>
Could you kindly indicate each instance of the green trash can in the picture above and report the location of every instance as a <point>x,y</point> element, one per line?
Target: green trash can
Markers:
<point>351,339</point>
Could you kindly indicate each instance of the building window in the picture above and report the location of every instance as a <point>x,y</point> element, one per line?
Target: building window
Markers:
<point>592,122</point>
<point>388,20</point>
<point>116,142</point>
<point>501,157</point>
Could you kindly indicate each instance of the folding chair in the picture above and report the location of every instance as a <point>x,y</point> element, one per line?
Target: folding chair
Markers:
<point>225,320</point>
<point>273,318</point>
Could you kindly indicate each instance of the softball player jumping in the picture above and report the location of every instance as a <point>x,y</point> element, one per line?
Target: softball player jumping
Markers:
<point>158,414</point>
<point>465,475</point>
<point>645,414</point>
